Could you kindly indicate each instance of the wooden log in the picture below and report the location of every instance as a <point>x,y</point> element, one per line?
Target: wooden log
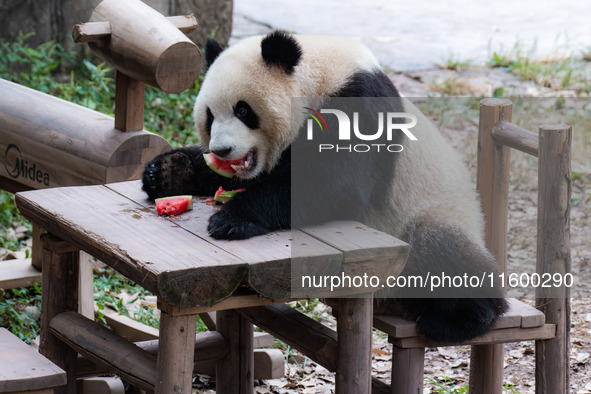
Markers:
<point>96,31</point>
<point>492,182</point>
<point>47,142</point>
<point>104,347</point>
<point>129,103</point>
<point>513,136</point>
<point>235,372</point>
<point>145,46</point>
<point>60,294</point>
<point>553,255</point>
<point>209,346</point>
<point>23,369</point>
<point>175,354</point>
<point>354,333</point>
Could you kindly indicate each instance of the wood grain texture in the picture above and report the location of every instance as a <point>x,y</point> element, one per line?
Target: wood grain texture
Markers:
<point>60,294</point>
<point>23,369</point>
<point>145,46</point>
<point>129,103</point>
<point>409,374</point>
<point>235,372</point>
<point>553,255</point>
<point>104,347</point>
<point>171,262</point>
<point>492,182</point>
<point>354,333</point>
<point>47,142</point>
<point>175,355</point>
<point>513,136</point>
<point>18,273</point>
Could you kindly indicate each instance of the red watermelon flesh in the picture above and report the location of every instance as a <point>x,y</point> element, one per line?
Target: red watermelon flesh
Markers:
<point>172,206</point>
<point>221,167</point>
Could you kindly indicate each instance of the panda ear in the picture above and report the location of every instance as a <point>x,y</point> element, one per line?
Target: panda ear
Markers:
<point>212,51</point>
<point>282,50</point>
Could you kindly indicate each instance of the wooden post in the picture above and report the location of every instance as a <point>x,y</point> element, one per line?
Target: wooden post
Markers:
<point>60,294</point>
<point>408,370</point>
<point>234,373</point>
<point>129,103</point>
<point>354,325</point>
<point>175,353</point>
<point>486,372</point>
<point>553,255</point>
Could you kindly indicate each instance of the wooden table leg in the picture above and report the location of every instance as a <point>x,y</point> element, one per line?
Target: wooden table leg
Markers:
<point>175,353</point>
<point>234,373</point>
<point>354,328</point>
<point>60,294</point>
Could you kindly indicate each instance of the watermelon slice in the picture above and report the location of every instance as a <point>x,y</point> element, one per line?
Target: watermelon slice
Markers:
<point>172,206</point>
<point>223,196</point>
<point>221,167</point>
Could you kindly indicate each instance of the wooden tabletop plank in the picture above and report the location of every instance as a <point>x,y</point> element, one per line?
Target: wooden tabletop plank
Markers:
<point>272,258</point>
<point>153,251</point>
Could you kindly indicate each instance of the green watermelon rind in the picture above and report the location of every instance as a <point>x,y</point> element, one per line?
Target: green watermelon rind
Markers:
<point>208,160</point>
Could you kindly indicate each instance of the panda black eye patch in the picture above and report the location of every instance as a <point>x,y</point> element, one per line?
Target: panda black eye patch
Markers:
<point>209,121</point>
<point>244,112</point>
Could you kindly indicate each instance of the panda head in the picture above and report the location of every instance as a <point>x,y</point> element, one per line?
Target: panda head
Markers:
<point>244,104</point>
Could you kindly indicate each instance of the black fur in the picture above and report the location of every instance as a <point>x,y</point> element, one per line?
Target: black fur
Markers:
<point>209,122</point>
<point>438,248</point>
<point>282,50</point>
<point>212,51</point>
<point>246,114</point>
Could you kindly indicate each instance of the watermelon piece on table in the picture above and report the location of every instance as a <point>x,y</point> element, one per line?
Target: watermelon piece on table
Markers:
<point>174,205</point>
<point>224,196</point>
<point>221,167</point>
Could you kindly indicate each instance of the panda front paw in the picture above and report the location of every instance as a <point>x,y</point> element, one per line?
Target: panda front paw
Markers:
<point>225,225</point>
<point>165,175</point>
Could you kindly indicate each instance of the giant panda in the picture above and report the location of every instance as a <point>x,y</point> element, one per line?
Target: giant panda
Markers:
<point>242,113</point>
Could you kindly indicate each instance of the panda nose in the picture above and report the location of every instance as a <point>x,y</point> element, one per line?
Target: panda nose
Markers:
<point>222,152</point>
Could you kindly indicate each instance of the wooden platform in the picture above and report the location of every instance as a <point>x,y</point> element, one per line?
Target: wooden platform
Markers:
<point>520,322</point>
<point>18,273</point>
<point>22,369</point>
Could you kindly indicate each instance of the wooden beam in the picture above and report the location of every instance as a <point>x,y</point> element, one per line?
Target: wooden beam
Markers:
<point>129,103</point>
<point>104,347</point>
<point>513,136</point>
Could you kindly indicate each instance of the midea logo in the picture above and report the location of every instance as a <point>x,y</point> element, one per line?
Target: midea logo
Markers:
<point>344,132</point>
<point>17,167</point>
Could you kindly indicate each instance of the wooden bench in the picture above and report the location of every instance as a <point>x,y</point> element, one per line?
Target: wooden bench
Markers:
<point>548,322</point>
<point>23,370</point>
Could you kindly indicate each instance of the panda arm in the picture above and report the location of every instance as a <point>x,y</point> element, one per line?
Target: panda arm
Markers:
<point>183,171</point>
<point>263,207</point>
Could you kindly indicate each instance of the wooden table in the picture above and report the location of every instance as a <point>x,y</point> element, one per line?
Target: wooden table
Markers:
<point>191,273</point>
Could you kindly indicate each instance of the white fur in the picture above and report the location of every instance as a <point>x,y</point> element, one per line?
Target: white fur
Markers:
<point>240,73</point>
